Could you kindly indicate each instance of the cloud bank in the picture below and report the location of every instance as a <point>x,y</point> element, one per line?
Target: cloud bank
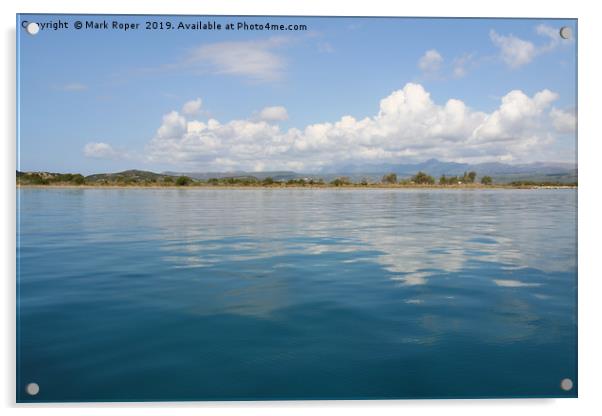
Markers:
<point>408,125</point>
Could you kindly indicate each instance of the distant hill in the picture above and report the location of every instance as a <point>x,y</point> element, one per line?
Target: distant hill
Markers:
<point>48,178</point>
<point>501,172</point>
<point>128,176</point>
<point>437,167</point>
<point>276,175</point>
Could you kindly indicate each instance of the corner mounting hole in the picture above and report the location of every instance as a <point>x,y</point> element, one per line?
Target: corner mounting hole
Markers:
<point>566,384</point>
<point>565,32</point>
<point>32,389</point>
<point>32,28</point>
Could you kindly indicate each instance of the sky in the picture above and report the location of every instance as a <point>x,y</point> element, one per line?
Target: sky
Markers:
<point>341,91</point>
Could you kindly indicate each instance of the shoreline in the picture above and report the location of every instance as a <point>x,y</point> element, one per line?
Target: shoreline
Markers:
<point>313,187</point>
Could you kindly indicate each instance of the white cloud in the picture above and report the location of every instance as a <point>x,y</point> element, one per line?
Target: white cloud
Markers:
<point>432,64</point>
<point>514,51</point>
<point>276,113</point>
<point>553,35</point>
<point>461,64</point>
<point>408,125</point>
<point>174,125</point>
<point>431,61</point>
<point>564,121</point>
<point>517,116</point>
<point>254,59</point>
<point>192,107</point>
<point>99,150</point>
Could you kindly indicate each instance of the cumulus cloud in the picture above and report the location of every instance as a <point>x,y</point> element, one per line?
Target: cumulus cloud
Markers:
<point>99,150</point>
<point>192,107</point>
<point>516,52</point>
<point>276,113</point>
<point>256,60</point>
<point>174,125</point>
<point>408,125</point>
<point>517,116</point>
<point>564,121</point>
<point>431,61</point>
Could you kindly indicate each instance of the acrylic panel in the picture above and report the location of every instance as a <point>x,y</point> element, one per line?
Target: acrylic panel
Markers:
<point>295,208</point>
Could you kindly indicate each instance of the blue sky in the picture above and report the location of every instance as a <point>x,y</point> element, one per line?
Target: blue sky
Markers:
<point>346,90</point>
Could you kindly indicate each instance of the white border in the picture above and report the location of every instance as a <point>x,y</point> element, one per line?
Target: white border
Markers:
<point>590,172</point>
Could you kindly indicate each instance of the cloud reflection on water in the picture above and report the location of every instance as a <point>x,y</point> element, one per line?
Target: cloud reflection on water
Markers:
<point>417,237</point>
<point>413,234</point>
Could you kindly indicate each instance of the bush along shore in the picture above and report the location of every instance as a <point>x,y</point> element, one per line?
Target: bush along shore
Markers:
<point>137,178</point>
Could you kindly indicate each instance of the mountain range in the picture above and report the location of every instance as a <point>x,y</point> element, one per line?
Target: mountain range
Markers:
<point>501,172</point>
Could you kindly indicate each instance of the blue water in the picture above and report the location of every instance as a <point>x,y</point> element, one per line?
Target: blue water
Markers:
<point>157,294</point>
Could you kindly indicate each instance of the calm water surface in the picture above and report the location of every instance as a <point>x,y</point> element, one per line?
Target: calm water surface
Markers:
<point>284,294</point>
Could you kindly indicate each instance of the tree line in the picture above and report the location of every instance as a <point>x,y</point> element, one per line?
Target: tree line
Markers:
<point>423,178</point>
<point>138,178</point>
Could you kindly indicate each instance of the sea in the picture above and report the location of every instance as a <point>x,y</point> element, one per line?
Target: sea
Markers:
<point>295,294</point>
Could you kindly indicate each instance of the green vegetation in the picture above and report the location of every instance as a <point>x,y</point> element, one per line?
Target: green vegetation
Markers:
<point>452,180</point>
<point>469,177</point>
<point>390,178</point>
<point>341,181</point>
<point>142,178</point>
<point>138,177</point>
<point>240,181</point>
<point>423,179</point>
<point>183,181</point>
<point>46,178</point>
